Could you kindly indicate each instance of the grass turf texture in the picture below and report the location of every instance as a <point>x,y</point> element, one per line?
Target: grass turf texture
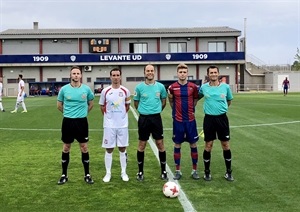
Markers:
<point>265,148</point>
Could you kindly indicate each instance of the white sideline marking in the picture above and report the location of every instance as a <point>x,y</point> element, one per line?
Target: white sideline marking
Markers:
<point>167,129</point>
<point>186,204</point>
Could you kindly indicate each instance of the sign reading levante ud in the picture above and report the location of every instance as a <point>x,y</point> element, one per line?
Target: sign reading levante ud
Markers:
<point>96,58</point>
<point>121,57</point>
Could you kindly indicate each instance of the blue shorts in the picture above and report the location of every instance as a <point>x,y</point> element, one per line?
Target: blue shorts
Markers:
<point>185,131</point>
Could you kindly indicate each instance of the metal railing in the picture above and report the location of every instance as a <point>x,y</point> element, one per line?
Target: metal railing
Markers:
<point>257,87</point>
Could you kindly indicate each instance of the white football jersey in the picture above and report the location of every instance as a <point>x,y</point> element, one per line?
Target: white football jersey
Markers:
<point>21,84</point>
<point>115,115</point>
<point>1,88</point>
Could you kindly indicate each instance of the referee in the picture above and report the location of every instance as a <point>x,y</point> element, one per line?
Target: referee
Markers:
<point>217,98</point>
<point>75,100</point>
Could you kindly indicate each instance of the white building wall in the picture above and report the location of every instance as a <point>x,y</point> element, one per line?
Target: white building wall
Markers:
<point>63,46</point>
<point>20,47</point>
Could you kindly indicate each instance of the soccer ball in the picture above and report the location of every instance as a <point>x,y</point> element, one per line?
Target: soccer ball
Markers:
<point>171,189</point>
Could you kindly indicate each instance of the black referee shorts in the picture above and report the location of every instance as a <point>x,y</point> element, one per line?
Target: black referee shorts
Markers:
<point>76,128</point>
<point>216,127</point>
<point>150,124</point>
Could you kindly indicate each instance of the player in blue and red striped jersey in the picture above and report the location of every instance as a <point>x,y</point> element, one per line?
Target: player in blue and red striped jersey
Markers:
<point>183,97</point>
<point>286,86</point>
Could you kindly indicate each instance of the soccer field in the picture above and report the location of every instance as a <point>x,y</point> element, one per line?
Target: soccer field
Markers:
<point>265,151</point>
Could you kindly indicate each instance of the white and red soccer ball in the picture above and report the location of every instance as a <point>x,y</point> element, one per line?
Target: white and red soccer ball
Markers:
<point>171,189</point>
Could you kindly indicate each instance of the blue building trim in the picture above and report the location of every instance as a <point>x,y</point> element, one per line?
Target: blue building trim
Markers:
<point>106,58</point>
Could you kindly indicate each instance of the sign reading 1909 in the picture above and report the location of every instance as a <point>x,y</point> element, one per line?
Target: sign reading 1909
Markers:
<point>200,56</point>
<point>98,58</point>
<point>40,58</point>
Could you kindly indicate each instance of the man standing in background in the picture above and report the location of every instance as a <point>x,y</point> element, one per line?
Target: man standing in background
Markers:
<point>1,92</point>
<point>286,86</point>
<point>21,95</point>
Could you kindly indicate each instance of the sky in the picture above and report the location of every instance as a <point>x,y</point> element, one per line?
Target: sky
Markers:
<point>271,27</point>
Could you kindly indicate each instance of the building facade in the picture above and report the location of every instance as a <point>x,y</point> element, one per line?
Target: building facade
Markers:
<point>45,56</point>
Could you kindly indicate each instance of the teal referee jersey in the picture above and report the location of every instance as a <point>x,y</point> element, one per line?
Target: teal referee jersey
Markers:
<point>216,98</point>
<point>149,97</point>
<point>75,100</point>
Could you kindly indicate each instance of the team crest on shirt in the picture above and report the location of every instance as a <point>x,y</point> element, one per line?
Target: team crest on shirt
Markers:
<point>83,96</point>
<point>222,96</point>
<point>157,93</point>
<point>120,94</point>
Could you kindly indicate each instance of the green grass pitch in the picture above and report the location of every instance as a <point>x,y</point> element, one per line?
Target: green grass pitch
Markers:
<point>265,148</point>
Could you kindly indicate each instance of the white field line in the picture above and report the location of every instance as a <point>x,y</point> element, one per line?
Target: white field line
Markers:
<point>167,129</point>
<point>184,201</point>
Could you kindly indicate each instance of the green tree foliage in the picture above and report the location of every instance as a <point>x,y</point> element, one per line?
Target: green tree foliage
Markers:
<point>296,64</point>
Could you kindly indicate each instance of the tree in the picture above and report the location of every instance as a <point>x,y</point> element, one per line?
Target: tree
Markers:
<point>296,64</point>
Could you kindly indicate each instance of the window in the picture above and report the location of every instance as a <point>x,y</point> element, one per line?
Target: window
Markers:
<point>190,77</point>
<point>216,46</point>
<point>138,48</point>
<point>102,79</point>
<point>12,81</point>
<point>65,79</point>
<point>135,79</point>
<point>26,80</point>
<point>88,79</point>
<point>51,79</point>
<point>177,47</point>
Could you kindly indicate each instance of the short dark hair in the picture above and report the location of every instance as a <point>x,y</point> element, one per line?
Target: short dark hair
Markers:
<point>212,67</point>
<point>115,69</point>
<point>21,76</point>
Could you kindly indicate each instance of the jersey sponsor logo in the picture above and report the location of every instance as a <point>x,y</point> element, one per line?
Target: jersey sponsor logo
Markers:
<point>121,94</point>
<point>117,103</point>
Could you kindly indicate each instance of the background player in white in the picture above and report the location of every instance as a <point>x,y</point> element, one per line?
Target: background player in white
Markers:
<point>1,92</point>
<point>114,104</point>
<point>21,94</point>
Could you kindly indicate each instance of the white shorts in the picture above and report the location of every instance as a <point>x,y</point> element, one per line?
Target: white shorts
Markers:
<point>21,98</point>
<point>113,137</point>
